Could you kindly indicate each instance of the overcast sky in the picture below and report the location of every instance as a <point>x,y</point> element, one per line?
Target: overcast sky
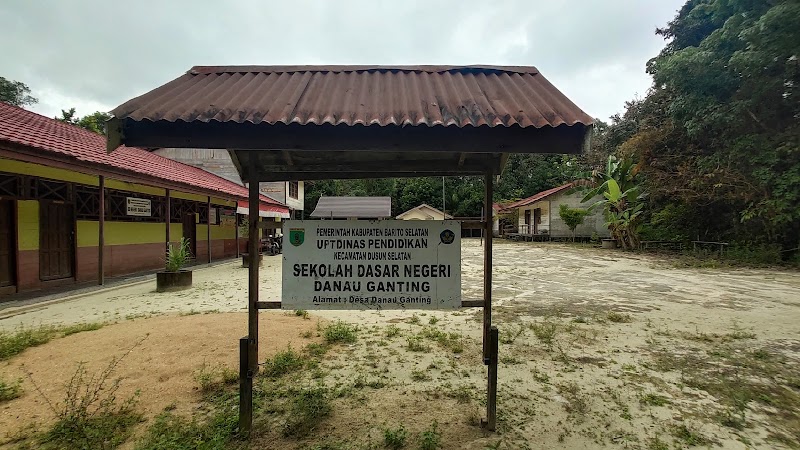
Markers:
<point>94,55</point>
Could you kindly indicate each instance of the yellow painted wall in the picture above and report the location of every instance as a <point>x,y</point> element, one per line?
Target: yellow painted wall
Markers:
<point>221,232</point>
<point>28,213</point>
<point>185,196</point>
<point>24,168</point>
<point>133,187</point>
<point>175,232</point>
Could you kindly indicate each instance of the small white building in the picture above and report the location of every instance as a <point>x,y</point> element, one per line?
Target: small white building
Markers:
<point>538,215</point>
<point>423,212</point>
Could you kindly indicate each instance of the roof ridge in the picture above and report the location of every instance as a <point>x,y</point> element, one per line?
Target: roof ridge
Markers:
<point>343,68</point>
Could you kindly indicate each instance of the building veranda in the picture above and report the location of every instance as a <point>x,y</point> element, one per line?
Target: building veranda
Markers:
<point>66,204</point>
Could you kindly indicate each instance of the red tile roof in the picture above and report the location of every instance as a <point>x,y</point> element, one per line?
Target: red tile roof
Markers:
<point>27,128</point>
<point>536,197</point>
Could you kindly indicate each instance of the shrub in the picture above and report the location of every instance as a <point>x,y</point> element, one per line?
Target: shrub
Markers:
<point>282,363</point>
<point>430,439</point>
<point>307,408</point>
<point>395,439</point>
<point>9,391</point>
<point>178,257</point>
<point>340,332</point>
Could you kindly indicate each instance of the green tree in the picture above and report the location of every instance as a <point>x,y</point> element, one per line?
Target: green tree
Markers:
<point>621,200</point>
<point>16,93</point>
<point>572,217</point>
<point>95,122</point>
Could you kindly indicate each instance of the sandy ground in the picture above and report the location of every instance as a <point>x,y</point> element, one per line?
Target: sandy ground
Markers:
<point>599,349</point>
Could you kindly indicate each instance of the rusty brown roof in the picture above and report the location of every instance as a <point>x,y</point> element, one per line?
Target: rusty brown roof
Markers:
<point>460,96</point>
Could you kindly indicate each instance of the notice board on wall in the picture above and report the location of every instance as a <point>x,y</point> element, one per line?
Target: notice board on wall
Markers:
<point>385,264</point>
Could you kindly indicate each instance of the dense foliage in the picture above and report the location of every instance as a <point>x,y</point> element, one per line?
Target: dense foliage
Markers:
<point>16,93</point>
<point>716,141</point>
<point>95,122</point>
<point>717,136</point>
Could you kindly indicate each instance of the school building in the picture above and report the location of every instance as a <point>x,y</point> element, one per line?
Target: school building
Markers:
<point>71,213</point>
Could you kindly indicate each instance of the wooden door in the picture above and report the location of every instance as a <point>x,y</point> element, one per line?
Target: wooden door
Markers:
<point>527,221</point>
<point>56,252</point>
<point>537,219</point>
<point>190,232</point>
<point>8,257</point>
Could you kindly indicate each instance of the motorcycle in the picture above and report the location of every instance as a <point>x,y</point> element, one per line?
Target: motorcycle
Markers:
<point>274,245</point>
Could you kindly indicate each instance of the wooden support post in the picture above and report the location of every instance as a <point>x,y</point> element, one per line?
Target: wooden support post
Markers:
<point>101,226</point>
<point>245,388</point>
<point>236,231</point>
<point>490,423</point>
<point>253,249</point>
<point>487,265</point>
<point>168,215</point>
<point>208,228</point>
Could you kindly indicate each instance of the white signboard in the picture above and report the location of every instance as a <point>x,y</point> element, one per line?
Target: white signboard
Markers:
<point>388,264</point>
<point>212,216</point>
<point>138,207</point>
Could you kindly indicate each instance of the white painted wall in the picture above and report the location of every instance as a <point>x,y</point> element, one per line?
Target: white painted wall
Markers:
<point>279,190</point>
<point>552,223</point>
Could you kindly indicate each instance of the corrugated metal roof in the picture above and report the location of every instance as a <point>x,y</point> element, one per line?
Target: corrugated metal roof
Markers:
<point>353,207</point>
<point>536,197</point>
<point>23,127</point>
<point>460,96</point>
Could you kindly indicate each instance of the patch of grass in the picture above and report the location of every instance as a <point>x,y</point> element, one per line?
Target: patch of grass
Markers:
<point>510,360</point>
<point>415,344</point>
<point>172,432</point>
<point>301,313</point>
<point>461,394</point>
<point>449,341</point>
<point>212,379</point>
<point>10,390</point>
<point>340,333</point>
<point>513,333</point>
<point>419,375</point>
<point>657,444</point>
<point>307,409</point>
<point>14,343</point>
<point>395,438</point>
<point>689,436</point>
<point>653,399</point>
<point>315,350</point>
<point>392,331</point>
<point>282,363</point>
<point>617,317</point>
<point>577,402</point>
<point>430,439</point>
<point>433,321</point>
<point>414,319</point>
<point>80,328</point>
<point>545,331</point>
<point>541,377</point>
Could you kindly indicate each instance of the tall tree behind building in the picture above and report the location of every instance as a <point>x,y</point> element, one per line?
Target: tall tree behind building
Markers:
<point>16,93</point>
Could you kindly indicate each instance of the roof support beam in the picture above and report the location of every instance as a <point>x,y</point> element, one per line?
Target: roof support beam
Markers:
<point>295,137</point>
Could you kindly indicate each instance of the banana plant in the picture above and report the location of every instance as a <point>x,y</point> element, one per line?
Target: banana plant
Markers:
<point>621,197</point>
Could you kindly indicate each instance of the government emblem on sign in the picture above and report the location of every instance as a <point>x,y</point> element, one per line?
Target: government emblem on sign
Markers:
<point>297,236</point>
<point>447,237</point>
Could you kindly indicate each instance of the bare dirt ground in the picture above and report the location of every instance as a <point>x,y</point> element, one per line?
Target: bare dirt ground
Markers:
<point>598,349</point>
